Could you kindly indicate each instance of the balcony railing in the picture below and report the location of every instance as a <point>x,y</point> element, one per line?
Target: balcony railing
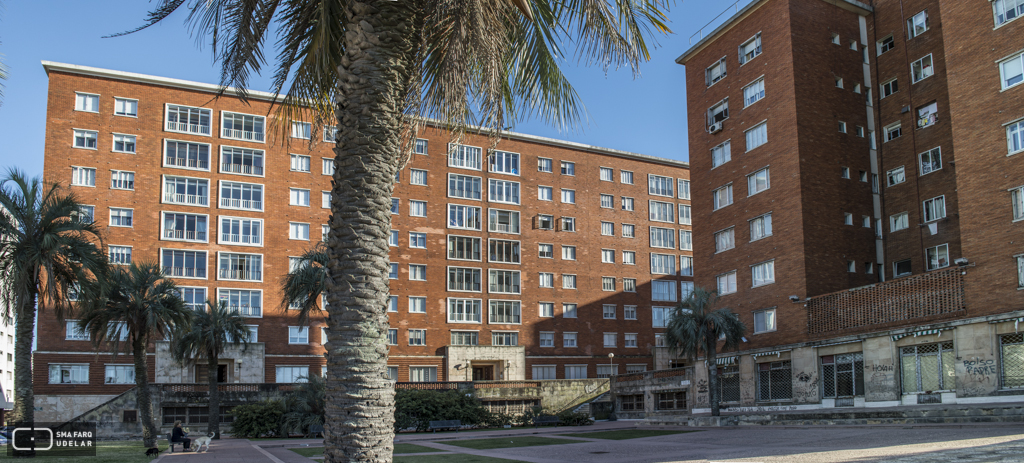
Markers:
<point>187,272</point>
<point>241,169</point>
<point>192,163</point>
<point>240,239</point>
<point>249,204</point>
<point>242,134</point>
<point>188,128</point>
<point>185,235</point>
<point>236,274</point>
<point>247,310</point>
<point>177,198</point>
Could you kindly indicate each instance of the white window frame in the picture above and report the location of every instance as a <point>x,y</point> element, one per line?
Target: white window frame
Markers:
<point>295,197</point>
<point>125,141</point>
<point>758,92</point>
<point>163,227</point>
<point>767,273</point>
<point>768,322</point>
<point>298,231</point>
<point>257,137</point>
<point>899,221</point>
<point>221,228</point>
<point>753,180</point>
<point>119,101</point>
<point>82,100</point>
<point>920,63</point>
<point>729,279</point>
<point>762,137</point>
<point>939,251</point>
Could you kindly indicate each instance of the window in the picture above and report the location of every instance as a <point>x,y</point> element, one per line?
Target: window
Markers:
<point>419,240</point>
<point>87,102</point>
<point>298,231</point>
<point>760,227</point>
<point>124,143</point>
<point>464,157</point>
<point>725,240</point>
<point>901,268</point>
<point>686,266</point>
<point>85,214</point>
<point>839,82</point>
<point>886,44</point>
<point>685,289</point>
<point>763,273</point>
<point>74,332</point>
<point>543,372</point>
<point>856,89</point>
<point>684,214</point>
<point>504,338</point>
<point>503,221</point>
<point>464,186</point>
<point>240,230</point>
<point>663,264</point>
<point>417,208</point>
<point>324,230</point>
<point>465,338</point>
<point>626,177</point>
<point>629,257</point>
<point>890,87</point>
<point>927,115</point>
<point>291,374</point>
<point>922,69</point>
<point>328,166</point>
<point>543,165</point>
<point>184,264</point>
<point>848,219</point>
<point>685,240</point>
<point>608,228</point>
<point>753,92</point>
<point>547,251</point>
<point>628,230</point>
<point>395,202</point>
<point>1011,348</point>
<point>248,302</point>
<point>186,119</point>
<point>928,367</point>
<point>464,279</point>
<point>250,162</point>
<point>417,272</point>
<point>608,256</point>
<point>1007,10</point>
<point>610,339</point>
<point>546,309</point>
<point>627,203</point>
<point>547,339</point>
<point>935,208</point>
<point>568,281</point>
<point>184,227</point>
<point>575,372</point>
<point>503,162</point>
<point>663,238</point>
<point>392,303</point>
<point>629,284</point>
<point>301,130</point>
<point>299,163</point>
<point>194,298</point>
<point>607,201</point>
<point>660,186</point>
<point>718,112</point>
<point>607,283</point>
<point>507,312</point>
<point>249,196</point>
<point>843,375</point>
<point>567,224</point>
<point>422,374</point>
<point>835,38</point>
<point>758,182</point>
<point>119,374</point>
<point>85,139</point>
<point>715,73</point>
<point>631,402</point>
<point>502,191</point>
<point>931,161</point>
<point>122,180</point>
<point>723,196</point>
<point>869,268</point>
<point>417,177</point>
<point>726,283</point>
<point>546,280</point>
<point>244,267</point>
<point>298,335</point>
<point>569,310</point>
<point>1015,137</point>
<point>663,291</point>
<point>1017,198</point>
<point>607,174</point>
<point>896,176</point>
<point>893,132</point>
<point>544,193</point>
<point>750,49</point>
<point>662,212</point>
<point>330,134</point>
<point>660,316</point>
<point>120,217</point>
<point>243,127</point>
<point>463,310</point>
<point>503,281</point>
<point>568,196</point>
<point>757,136</point>
<point>393,272</point>
<point>568,168</point>
<point>774,381</point>
<point>659,340</point>
<point>69,374</point>
<point>866,221</point>
<point>1011,71</point>
<point>842,127</point>
<point>298,197</point>
<point>863,176</point>
<point>917,24</point>
<point>938,257</point>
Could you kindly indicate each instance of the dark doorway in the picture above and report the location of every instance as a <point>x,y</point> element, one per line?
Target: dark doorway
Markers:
<point>201,373</point>
<point>483,373</point>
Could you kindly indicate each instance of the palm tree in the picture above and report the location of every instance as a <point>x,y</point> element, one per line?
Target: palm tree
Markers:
<point>46,249</point>
<point>209,334</point>
<point>373,68</point>
<point>305,405</point>
<point>694,329</point>
<point>140,304</point>
<point>303,285</point>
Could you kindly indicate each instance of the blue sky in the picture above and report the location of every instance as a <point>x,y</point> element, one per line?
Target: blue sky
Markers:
<point>645,115</point>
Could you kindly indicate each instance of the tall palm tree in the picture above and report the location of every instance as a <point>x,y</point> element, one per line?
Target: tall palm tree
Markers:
<point>305,405</point>
<point>694,329</point>
<point>209,334</point>
<point>139,304</point>
<point>46,249</point>
<point>303,286</point>
<point>371,68</point>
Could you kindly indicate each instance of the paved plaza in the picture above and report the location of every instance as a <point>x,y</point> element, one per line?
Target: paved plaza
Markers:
<point>902,444</point>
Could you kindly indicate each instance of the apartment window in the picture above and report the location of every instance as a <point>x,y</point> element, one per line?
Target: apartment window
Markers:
<point>417,208</point>
<point>301,130</point>
<point>723,196</point>
<point>330,134</point>
<point>931,161</point>
<point>568,168</point>
<point>465,338</point>
<point>663,238</point>
<point>750,49</point>
<point>69,374</point>
<point>568,311</point>
<point>243,127</point>
<point>503,221</point>
<point>298,197</point>
<point>547,339</point>
<point>122,180</point>
<point>465,157</point>
<point>546,251</point>
<point>120,217</point>
<point>927,115</point>
<point>416,304</point>
<point>660,186</point>
<point>938,257</point>
<point>546,309</point>
<point>568,196</point>
<point>629,257</point>
<point>240,230</point>
<point>659,340</point>
<point>610,339</point>
<point>417,177</point>
<point>1015,137</point>
<point>757,136</point>
<point>186,264</point>
<point>392,303</point>
<point>1011,71</point>
<point>886,44</point>
<point>663,291</point>
<point>684,214</point>
<point>243,267</point>
<point>608,228</point>
<point>568,281</point>
<point>608,256</point>
<point>184,227</point>
<point>463,310</point>
<point>662,212</point>
<point>715,73</point>
<point>863,176</point>
<point>922,69</point>
<point>185,119</point>
<point>248,302</point>
<point>463,186</point>
<point>250,162</point>
<point>869,268</point>
<point>194,298</point>
<point>502,191</point>
<point>87,102</point>
<point>85,139</point>
<point>567,224</point>
<point>395,203</point>
<point>298,231</point>
<point>890,87</point>
<point>725,240</point>
<point>763,273</point>
<point>685,240</point>
<point>422,374</point>
<point>839,82</point>
<point>546,280</point>
<point>299,163</point>
<point>419,338</point>
<point>543,165</point>
<point>568,340</point>
<point>628,230</point>
<point>503,281</point>
<point>607,283</point>
<point>856,89</point>
<point>896,176</point>
<point>249,196</point>
<point>503,162</point>
<point>760,227</point>
<point>393,271</point>
<point>718,112</point>
<point>626,177</point>
<point>298,335</point>
<point>629,285</point>
<point>726,283</point>
<point>627,203</point>
<point>758,182</point>
<point>842,127</point>
<point>848,219</point>
<point>663,264</point>
<point>1007,10</point>
<point>507,312</point>
<point>464,279</point>
<point>324,230</point>
<point>753,92</point>
<point>74,332</point>
<point>686,266</point>
<point>120,255</point>
<point>660,316</point>
<point>893,132</point>
<point>935,208</point>
<point>1011,349</point>
<point>835,38</point>
<point>504,338</point>
<point>1017,198</point>
<point>607,201</point>
<point>917,24</point>
<point>328,166</point>
<point>183,190</point>
<point>420,147</point>
<point>607,174</point>
<point>119,374</point>
<point>123,143</point>
<point>901,268</point>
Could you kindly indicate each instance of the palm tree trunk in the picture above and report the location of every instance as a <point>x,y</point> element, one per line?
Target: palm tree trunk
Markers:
<point>213,427</point>
<point>377,68</point>
<point>713,380</point>
<point>24,396</point>
<point>142,393</point>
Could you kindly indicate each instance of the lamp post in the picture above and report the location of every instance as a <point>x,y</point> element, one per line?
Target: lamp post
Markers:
<point>611,364</point>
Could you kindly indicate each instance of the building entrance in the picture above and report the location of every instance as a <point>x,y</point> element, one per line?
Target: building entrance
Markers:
<point>483,373</point>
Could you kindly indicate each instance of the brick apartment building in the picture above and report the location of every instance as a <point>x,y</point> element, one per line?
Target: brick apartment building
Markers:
<point>536,259</point>
<point>858,200</point>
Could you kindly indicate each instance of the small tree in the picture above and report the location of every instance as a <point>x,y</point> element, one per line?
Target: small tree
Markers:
<point>303,285</point>
<point>305,405</point>
<point>211,332</point>
<point>138,304</point>
<point>695,329</point>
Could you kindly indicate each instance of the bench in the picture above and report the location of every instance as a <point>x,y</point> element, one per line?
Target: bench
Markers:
<point>314,430</point>
<point>445,424</point>
<point>170,445</point>
<point>545,419</point>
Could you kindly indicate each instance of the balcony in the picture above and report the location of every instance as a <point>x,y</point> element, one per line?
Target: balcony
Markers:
<point>187,235</point>
<point>246,169</point>
<point>240,274</point>
<point>191,163</point>
<point>194,200</point>
<point>241,239</point>
<point>185,127</point>
<point>185,272</point>
<point>247,310</point>
<point>248,204</point>
<point>247,135</point>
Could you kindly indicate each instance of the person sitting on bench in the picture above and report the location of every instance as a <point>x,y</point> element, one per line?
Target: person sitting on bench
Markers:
<point>178,435</point>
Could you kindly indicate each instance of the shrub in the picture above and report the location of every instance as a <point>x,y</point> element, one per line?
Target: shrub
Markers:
<point>571,418</point>
<point>258,419</point>
<point>305,405</point>
<point>417,408</point>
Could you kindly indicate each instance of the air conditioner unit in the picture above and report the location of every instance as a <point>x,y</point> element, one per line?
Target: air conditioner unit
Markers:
<point>715,128</point>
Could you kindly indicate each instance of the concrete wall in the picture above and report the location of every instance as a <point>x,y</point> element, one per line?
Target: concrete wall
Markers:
<point>555,395</point>
<point>509,362</point>
<point>57,408</point>
<point>245,366</point>
<point>650,384</point>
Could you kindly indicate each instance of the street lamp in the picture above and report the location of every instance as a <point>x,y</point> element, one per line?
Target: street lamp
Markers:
<point>611,364</point>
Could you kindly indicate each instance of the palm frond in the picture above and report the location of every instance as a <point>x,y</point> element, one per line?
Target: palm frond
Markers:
<point>209,334</point>
<point>694,328</point>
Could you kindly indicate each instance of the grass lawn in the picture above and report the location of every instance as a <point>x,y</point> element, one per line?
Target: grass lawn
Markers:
<point>509,442</point>
<point>626,434</point>
<point>451,458</point>
<point>399,448</point>
<point>106,452</point>
<point>308,451</point>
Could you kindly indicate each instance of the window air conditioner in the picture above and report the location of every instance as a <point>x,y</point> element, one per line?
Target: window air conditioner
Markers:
<point>714,128</point>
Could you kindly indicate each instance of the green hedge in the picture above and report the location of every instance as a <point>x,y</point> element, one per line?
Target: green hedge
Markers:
<point>417,408</point>
<point>263,419</point>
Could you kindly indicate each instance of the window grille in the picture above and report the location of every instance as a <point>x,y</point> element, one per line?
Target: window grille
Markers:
<point>671,400</point>
<point>774,381</point>
<point>1012,357</point>
<point>842,375</point>
<point>729,383</point>
<point>929,367</point>
<point>631,402</point>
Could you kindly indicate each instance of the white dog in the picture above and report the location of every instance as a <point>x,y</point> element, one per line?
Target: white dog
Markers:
<point>199,442</point>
